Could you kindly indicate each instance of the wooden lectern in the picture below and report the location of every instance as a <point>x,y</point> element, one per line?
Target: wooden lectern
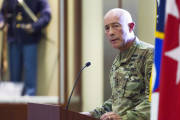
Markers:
<point>53,112</point>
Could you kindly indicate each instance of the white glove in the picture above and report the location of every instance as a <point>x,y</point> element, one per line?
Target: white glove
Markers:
<point>86,113</point>
<point>1,24</point>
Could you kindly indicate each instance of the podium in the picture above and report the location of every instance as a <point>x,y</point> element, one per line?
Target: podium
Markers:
<point>53,112</point>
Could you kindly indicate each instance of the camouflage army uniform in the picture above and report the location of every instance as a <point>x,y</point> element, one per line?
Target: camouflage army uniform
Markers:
<point>129,78</point>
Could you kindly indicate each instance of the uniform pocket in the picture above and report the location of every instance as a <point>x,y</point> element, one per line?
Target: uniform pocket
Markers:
<point>133,85</point>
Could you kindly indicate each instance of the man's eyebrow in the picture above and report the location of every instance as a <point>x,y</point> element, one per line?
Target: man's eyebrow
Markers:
<point>115,23</point>
<point>112,23</point>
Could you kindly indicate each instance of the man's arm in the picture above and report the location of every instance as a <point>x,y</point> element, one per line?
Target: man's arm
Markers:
<point>44,16</point>
<point>140,112</point>
<point>99,111</point>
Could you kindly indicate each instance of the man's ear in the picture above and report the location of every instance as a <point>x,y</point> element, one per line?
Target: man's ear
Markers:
<point>131,26</point>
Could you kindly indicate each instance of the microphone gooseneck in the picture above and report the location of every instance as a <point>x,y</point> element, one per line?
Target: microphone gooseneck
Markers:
<point>76,81</point>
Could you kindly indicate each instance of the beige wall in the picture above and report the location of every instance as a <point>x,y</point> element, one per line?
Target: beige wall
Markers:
<point>92,50</point>
<point>48,56</point>
<point>146,20</point>
<point>70,46</point>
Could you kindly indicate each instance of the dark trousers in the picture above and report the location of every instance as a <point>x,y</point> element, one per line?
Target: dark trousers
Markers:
<point>23,65</point>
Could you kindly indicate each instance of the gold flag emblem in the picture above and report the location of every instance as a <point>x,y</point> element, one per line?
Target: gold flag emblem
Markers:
<point>19,17</point>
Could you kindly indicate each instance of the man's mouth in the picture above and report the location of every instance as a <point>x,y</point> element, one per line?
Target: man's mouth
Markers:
<point>113,40</point>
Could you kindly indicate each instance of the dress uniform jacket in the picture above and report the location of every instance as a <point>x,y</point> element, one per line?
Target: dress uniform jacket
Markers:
<point>15,15</point>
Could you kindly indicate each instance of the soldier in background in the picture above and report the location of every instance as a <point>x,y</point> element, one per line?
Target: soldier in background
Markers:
<point>130,72</point>
<point>23,37</point>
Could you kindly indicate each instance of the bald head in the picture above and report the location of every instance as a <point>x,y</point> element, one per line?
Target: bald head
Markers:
<point>119,13</point>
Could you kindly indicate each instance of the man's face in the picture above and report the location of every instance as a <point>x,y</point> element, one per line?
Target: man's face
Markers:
<point>116,30</point>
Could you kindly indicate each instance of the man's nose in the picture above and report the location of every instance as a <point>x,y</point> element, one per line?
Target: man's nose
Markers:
<point>111,31</point>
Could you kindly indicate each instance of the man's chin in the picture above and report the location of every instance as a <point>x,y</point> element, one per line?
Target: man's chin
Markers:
<point>115,46</point>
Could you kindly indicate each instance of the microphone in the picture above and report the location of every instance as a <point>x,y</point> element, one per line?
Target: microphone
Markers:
<point>86,65</point>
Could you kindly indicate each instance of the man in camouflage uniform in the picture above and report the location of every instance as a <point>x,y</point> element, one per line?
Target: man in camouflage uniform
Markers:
<point>130,72</point>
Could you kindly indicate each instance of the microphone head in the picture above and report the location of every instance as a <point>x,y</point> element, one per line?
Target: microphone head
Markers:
<point>88,64</point>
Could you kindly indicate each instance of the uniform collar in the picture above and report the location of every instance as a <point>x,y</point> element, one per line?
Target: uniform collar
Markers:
<point>125,56</point>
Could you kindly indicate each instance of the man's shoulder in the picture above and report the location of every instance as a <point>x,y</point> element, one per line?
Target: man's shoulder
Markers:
<point>144,48</point>
<point>144,45</point>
